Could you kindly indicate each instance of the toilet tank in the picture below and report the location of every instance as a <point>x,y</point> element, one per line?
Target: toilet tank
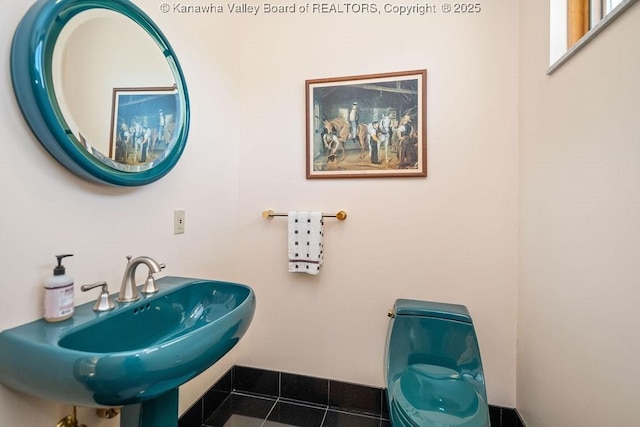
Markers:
<point>432,333</point>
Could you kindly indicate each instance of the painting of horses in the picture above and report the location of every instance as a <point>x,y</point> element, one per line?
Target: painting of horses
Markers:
<point>143,121</point>
<point>367,126</point>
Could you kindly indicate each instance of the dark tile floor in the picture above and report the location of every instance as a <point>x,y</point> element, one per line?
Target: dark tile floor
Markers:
<point>243,410</point>
<point>250,397</point>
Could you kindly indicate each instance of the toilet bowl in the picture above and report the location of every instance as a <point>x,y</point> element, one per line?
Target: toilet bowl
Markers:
<point>433,368</point>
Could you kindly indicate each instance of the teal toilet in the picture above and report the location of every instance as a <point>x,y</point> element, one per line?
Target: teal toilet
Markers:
<point>433,368</point>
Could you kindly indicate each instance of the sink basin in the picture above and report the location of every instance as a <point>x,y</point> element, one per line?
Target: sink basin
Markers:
<point>134,353</point>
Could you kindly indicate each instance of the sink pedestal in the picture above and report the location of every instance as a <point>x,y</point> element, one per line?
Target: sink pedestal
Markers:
<point>159,412</point>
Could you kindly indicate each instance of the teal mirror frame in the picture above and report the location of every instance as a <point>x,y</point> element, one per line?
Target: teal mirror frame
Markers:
<point>31,73</point>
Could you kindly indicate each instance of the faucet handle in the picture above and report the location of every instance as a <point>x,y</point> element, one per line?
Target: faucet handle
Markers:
<point>103,303</point>
<point>150,286</point>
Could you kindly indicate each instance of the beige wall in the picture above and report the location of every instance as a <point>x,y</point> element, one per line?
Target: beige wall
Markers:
<point>450,237</point>
<point>579,228</point>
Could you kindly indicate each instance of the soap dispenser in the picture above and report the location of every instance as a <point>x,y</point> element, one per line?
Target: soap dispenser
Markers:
<point>58,294</point>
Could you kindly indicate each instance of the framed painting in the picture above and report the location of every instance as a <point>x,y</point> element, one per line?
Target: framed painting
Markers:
<point>143,122</point>
<point>367,126</point>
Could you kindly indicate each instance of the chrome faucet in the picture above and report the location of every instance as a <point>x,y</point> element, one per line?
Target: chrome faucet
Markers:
<point>128,289</point>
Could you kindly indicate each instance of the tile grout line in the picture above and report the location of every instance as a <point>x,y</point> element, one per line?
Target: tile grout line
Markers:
<point>328,401</point>
<point>257,396</point>
<point>264,421</point>
<point>324,417</point>
<point>357,414</point>
<point>270,411</point>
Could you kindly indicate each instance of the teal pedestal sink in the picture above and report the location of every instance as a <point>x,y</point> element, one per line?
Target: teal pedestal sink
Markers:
<point>135,356</point>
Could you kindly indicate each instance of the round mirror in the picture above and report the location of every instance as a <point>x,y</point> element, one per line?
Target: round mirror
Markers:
<point>101,88</point>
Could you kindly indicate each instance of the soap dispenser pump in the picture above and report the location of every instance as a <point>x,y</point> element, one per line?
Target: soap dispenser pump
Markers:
<point>58,293</point>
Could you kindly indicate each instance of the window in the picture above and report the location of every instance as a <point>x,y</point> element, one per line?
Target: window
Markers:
<point>583,15</point>
<point>574,22</point>
<point>611,4</point>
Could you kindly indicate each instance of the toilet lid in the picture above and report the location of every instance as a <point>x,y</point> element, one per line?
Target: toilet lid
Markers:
<point>430,395</point>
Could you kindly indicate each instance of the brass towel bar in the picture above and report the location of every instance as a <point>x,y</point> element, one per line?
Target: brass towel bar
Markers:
<point>340,215</point>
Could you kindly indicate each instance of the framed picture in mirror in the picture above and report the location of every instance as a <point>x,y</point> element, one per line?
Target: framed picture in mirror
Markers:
<point>143,122</point>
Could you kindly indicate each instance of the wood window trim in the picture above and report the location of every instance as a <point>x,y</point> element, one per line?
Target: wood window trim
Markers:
<point>577,20</point>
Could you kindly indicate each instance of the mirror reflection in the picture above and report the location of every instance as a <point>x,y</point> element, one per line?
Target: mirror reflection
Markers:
<point>115,90</point>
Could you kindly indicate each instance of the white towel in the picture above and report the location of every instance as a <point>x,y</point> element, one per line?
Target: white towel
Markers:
<point>305,242</point>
